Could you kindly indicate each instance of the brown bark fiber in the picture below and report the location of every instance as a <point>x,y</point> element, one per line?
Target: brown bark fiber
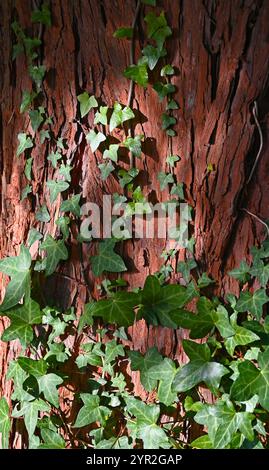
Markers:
<point>221,53</point>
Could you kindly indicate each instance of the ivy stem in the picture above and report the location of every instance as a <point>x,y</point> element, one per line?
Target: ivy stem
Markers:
<point>257,218</point>
<point>132,59</point>
<point>255,115</point>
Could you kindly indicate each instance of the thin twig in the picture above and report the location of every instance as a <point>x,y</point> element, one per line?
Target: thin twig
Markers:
<point>255,115</point>
<point>257,218</point>
<point>131,86</point>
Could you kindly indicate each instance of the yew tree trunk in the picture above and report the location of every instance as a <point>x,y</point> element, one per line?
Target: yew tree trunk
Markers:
<point>220,49</point>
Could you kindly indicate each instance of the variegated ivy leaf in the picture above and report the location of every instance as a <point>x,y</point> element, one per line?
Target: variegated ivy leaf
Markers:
<point>18,268</point>
<point>55,188</point>
<point>56,251</point>
<point>94,139</point>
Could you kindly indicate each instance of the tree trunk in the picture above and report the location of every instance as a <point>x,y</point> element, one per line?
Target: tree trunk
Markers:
<point>221,53</point>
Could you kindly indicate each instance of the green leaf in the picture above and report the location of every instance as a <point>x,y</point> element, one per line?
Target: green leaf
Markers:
<point>165,374</point>
<point>196,351</point>
<point>171,105</point>
<point>65,171</point>
<point>91,411</point>
<point>241,273</point>
<point>153,54</point>
<point>63,224</point>
<point>27,190</point>
<point>52,440</point>
<point>118,309</point>
<point>72,205</point>
<point>37,368</point>
<point>30,411</point>
<point>252,303</point>
<point>56,251</point>
<point>112,153</point>
<point>55,188</point>
<point>106,169</point>
<point>36,119</point>
<point>5,422</point>
<point>241,336</point>
<point>24,143</point>
<point>202,442</point>
<point>168,121</point>
<point>101,116</point>
<point>172,159</point>
<point>149,2</point>
<point>119,116</point>
<point>18,268</point>
<point>164,89</point>
<point>167,70</point>
<point>253,381</point>
<point>144,364</point>
<point>178,190</point>
<point>157,28</point>
<point>165,179</point>
<point>44,134</point>
<point>204,281</point>
<point>123,33</point>
<point>42,214</point>
<point>28,168</point>
<point>95,139</point>
<point>37,74</point>
<point>261,272</point>
<point>33,236</point>
<point>48,386</point>
<point>201,323</point>
<point>27,99</point>
<point>125,177</point>
<point>60,143</point>
<point>53,157</point>
<point>86,103</point>
<point>107,259</point>
<point>42,16</point>
<point>199,371</point>
<point>22,320</point>
<point>185,268</point>
<point>138,73</point>
<point>134,144</point>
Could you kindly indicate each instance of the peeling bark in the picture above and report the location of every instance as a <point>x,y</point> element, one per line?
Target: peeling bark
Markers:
<point>221,52</point>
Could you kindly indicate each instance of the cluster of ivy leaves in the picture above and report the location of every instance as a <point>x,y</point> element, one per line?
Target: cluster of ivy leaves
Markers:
<point>233,362</point>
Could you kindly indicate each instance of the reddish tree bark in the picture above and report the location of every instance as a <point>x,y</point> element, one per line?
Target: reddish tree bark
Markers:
<point>221,52</point>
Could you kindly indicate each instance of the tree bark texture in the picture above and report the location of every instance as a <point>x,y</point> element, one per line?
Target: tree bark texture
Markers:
<point>220,49</point>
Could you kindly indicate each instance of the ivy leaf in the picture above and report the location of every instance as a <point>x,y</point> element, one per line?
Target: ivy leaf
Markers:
<point>30,412</point>
<point>86,103</point>
<point>53,157</point>
<point>167,121</point>
<point>196,351</point>
<point>112,153</point>
<point>201,323</point>
<point>65,171</point>
<point>164,89</point>
<point>253,381</point>
<point>63,224</point>
<point>55,188</point>
<point>24,143</point>
<point>165,179</point>
<point>165,373</point>
<point>119,116</point>
<point>37,73</point>
<point>107,259</point>
<point>138,73</point>
<point>42,214</point>
<point>28,168</point>
<point>56,251</point>
<point>241,273</point>
<point>18,268</point>
<point>27,190</point>
<point>167,70</point>
<point>153,54</point>
<point>44,134</point>
<point>199,371</point>
<point>202,442</point>
<point>106,169</point>
<point>171,105</point>
<point>22,320</point>
<point>261,272</point>
<point>91,411</point>
<point>101,116</point>
<point>144,364</point>
<point>241,336</point>
<point>157,28</point>
<point>118,309</point>
<point>27,99</point>
<point>171,160</point>
<point>72,205</point>
<point>204,281</point>
<point>48,386</point>
<point>134,144</point>
<point>252,303</point>
<point>60,143</point>
<point>125,177</point>
<point>5,422</point>
<point>95,139</point>
<point>36,119</point>
<point>123,33</point>
<point>42,16</point>
<point>149,2</point>
<point>37,368</point>
<point>52,440</point>
<point>33,236</point>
